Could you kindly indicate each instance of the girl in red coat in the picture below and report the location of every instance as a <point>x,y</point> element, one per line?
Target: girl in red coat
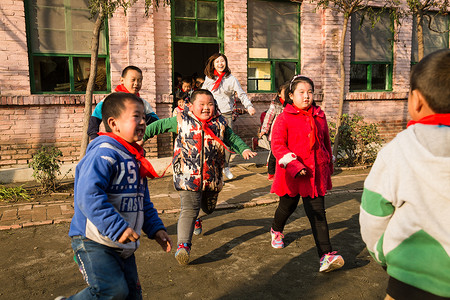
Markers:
<point>302,148</point>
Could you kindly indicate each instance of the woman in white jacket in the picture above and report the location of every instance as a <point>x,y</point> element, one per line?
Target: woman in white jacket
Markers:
<point>223,85</point>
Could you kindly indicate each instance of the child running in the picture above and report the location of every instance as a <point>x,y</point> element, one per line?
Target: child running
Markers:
<point>405,206</point>
<point>199,155</point>
<point>112,204</point>
<point>130,82</point>
<point>302,148</point>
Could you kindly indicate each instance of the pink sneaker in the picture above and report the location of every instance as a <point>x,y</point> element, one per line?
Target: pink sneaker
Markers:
<point>331,261</point>
<point>277,239</point>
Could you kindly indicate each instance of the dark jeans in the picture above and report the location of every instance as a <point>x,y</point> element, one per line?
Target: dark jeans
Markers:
<point>315,211</point>
<point>108,275</point>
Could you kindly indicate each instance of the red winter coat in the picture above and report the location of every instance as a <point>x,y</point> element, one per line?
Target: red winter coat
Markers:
<point>291,146</point>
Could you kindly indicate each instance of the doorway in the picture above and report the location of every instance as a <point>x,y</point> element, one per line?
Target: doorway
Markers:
<point>190,58</point>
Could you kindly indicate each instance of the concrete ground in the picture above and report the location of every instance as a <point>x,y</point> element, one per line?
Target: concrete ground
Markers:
<point>232,259</point>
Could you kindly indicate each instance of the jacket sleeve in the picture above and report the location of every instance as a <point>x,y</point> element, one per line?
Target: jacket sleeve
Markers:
<point>208,84</point>
<point>152,222</point>
<point>160,126</point>
<point>232,140</point>
<point>92,199</point>
<point>376,209</point>
<point>279,144</point>
<point>268,118</point>
<point>93,127</point>
<point>150,118</point>
<point>240,93</point>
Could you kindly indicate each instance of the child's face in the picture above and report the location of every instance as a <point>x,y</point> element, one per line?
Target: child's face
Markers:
<point>132,81</point>
<point>302,95</point>
<point>186,86</point>
<point>130,125</point>
<point>220,64</point>
<point>181,103</point>
<point>203,107</point>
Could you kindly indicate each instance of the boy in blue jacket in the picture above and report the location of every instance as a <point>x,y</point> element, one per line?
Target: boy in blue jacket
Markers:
<point>112,204</point>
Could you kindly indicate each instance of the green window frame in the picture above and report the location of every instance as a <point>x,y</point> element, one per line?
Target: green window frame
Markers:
<point>59,34</point>
<point>432,40</point>
<point>197,21</point>
<point>371,64</point>
<point>273,44</point>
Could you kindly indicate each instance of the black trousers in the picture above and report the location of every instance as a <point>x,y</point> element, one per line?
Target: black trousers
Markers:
<point>271,164</point>
<point>315,211</point>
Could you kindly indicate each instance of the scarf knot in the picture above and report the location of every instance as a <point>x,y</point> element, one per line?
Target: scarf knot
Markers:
<point>218,81</point>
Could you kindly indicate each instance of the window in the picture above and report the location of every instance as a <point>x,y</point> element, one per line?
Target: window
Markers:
<point>196,19</point>
<point>371,54</point>
<point>59,34</point>
<point>273,44</point>
<point>432,40</point>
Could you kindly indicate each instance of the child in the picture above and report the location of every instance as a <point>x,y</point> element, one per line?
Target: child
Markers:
<point>405,206</point>
<point>203,136</point>
<point>130,82</point>
<point>275,108</point>
<point>302,148</point>
<point>199,82</point>
<point>112,204</point>
<point>185,91</point>
<point>223,85</point>
<point>180,107</point>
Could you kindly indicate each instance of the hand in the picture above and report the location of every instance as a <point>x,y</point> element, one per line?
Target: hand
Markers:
<point>251,110</point>
<point>301,173</point>
<point>164,240</point>
<point>248,154</point>
<point>260,134</point>
<point>128,235</point>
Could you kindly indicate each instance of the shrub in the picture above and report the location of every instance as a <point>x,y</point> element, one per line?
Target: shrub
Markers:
<point>46,166</point>
<point>13,194</point>
<point>359,141</point>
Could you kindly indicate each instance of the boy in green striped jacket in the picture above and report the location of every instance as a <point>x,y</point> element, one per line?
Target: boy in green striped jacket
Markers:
<point>405,207</point>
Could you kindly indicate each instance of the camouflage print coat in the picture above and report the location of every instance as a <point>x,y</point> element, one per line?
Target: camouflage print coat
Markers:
<point>198,158</point>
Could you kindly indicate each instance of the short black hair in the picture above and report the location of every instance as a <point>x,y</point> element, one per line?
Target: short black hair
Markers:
<point>125,71</point>
<point>431,76</point>
<point>187,80</point>
<point>114,105</point>
<point>201,92</point>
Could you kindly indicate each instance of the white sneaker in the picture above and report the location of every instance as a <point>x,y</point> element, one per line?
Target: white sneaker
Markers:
<point>228,173</point>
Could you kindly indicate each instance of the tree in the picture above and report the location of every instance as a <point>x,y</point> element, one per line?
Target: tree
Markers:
<point>419,9</point>
<point>102,10</point>
<point>347,8</point>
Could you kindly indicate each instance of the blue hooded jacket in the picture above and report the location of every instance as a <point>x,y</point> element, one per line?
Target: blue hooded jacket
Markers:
<point>110,196</point>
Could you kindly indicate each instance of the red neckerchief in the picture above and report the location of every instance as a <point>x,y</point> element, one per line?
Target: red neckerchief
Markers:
<point>122,88</point>
<point>208,130</point>
<point>218,81</point>
<point>308,113</point>
<point>436,119</point>
<point>146,169</point>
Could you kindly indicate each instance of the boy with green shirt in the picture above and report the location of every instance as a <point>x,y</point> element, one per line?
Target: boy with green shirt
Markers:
<point>199,156</point>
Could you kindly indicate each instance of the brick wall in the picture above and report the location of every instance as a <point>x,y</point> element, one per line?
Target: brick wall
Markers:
<point>14,72</point>
<point>28,121</point>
